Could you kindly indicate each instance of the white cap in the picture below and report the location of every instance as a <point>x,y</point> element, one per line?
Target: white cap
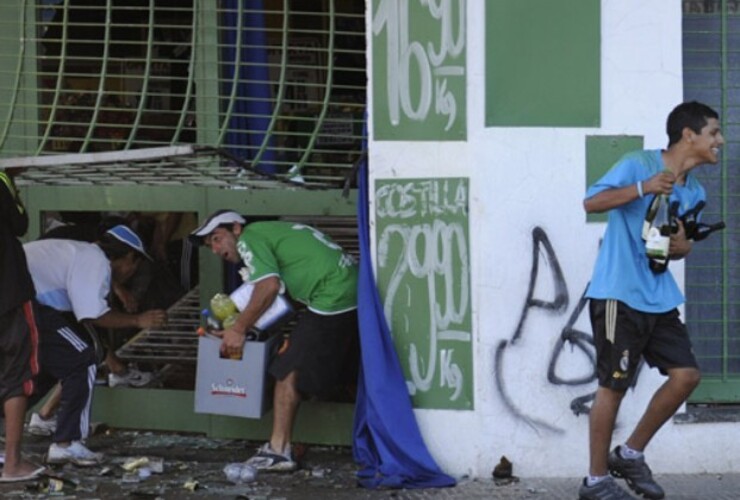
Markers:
<point>216,219</point>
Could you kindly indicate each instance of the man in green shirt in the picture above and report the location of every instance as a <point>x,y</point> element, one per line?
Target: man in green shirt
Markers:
<point>280,257</point>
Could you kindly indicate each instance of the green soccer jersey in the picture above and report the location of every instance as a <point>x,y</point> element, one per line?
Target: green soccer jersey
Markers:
<point>313,268</point>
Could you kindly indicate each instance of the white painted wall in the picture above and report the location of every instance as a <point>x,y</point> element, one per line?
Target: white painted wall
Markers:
<point>522,178</point>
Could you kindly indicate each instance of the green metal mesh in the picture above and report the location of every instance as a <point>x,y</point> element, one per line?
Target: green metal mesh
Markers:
<point>711,58</point>
<point>278,83</point>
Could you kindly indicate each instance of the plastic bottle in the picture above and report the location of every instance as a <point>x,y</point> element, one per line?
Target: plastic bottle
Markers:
<point>211,323</point>
<point>224,310</point>
<point>229,321</point>
<point>240,473</point>
<point>222,306</point>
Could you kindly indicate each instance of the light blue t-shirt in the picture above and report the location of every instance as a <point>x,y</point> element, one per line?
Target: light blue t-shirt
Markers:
<point>622,271</point>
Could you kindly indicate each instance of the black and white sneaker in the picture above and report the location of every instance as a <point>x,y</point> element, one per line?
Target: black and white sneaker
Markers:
<point>268,460</point>
<point>637,474</point>
<point>607,489</point>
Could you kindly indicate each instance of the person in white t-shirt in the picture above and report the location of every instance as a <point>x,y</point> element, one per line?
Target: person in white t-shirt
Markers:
<point>72,281</point>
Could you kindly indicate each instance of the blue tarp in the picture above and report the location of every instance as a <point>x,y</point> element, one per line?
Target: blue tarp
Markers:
<point>387,443</point>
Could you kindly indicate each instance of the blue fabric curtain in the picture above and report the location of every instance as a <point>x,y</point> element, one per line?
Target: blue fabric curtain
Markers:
<point>387,443</point>
<point>252,109</point>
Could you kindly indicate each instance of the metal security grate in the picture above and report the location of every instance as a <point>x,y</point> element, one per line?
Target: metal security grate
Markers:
<point>163,166</point>
<point>277,83</point>
<point>711,55</point>
<point>175,343</point>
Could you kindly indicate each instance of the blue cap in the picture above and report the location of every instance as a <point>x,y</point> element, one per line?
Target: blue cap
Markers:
<point>125,235</point>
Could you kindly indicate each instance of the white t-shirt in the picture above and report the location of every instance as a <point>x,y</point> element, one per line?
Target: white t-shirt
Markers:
<point>70,276</point>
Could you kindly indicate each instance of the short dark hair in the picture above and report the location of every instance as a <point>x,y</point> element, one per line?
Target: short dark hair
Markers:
<point>114,249</point>
<point>691,114</point>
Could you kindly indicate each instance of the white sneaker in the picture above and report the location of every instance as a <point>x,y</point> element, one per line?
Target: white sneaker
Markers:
<point>40,427</point>
<point>132,377</point>
<point>76,453</point>
<point>267,459</point>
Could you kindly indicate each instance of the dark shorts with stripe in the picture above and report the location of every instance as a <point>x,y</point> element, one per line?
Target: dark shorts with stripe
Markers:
<point>18,352</point>
<point>623,335</point>
<point>66,345</point>
<point>322,350</point>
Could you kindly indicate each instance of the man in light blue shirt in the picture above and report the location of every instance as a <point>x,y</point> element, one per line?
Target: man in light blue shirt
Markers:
<point>633,306</point>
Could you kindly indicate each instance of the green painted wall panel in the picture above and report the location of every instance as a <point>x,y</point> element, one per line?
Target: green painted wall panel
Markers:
<point>602,152</point>
<point>423,273</point>
<point>717,390</point>
<point>543,63</point>
<point>172,410</point>
<point>154,409</point>
<point>419,70</point>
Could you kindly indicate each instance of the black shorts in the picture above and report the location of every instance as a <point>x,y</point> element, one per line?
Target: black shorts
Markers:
<point>320,349</point>
<point>622,335</point>
<point>19,340</point>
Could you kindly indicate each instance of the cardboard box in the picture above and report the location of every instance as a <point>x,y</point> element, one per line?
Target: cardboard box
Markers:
<point>237,387</point>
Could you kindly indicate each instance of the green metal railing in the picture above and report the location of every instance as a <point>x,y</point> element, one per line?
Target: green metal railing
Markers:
<point>282,87</point>
<point>712,75</point>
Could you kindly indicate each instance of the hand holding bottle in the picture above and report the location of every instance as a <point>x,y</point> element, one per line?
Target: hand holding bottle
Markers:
<point>660,183</point>
<point>220,320</point>
<point>680,246</point>
<point>232,342</point>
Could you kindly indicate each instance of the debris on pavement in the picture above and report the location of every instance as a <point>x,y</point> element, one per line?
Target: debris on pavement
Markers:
<point>503,473</point>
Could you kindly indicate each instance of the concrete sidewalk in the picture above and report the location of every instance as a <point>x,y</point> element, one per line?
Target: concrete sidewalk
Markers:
<point>677,486</point>
<point>193,469</point>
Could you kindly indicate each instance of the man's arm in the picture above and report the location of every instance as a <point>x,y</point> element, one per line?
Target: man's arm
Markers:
<point>264,294</point>
<point>661,183</point>
<point>116,319</point>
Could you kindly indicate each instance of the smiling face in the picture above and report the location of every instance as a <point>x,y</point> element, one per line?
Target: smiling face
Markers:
<point>222,242</point>
<point>708,142</point>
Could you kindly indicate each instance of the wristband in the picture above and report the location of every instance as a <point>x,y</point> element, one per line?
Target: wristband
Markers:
<point>639,189</point>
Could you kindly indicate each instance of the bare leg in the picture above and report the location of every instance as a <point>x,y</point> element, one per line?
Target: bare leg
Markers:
<point>15,411</point>
<point>51,404</point>
<point>601,426</point>
<point>286,402</point>
<point>666,400</point>
<point>114,363</point>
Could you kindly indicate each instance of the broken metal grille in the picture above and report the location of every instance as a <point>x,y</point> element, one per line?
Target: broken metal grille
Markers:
<point>175,343</point>
<point>177,166</point>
